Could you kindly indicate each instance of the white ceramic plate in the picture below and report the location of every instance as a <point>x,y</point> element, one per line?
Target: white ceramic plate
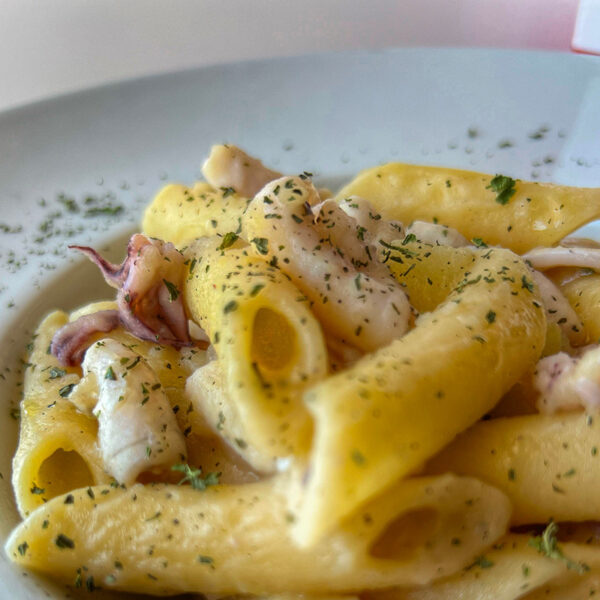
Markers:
<point>65,161</point>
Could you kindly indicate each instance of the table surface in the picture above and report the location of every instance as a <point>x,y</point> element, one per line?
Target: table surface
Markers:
<point>59,46</point>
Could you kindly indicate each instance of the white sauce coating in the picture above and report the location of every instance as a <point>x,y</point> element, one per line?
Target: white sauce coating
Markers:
<point>566,383</point>
<point>137,429</point>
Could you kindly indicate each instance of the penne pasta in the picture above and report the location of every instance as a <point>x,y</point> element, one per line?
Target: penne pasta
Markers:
<point>547,465</point>
<point>181,214</point>
<point>269,345</point>
<point>382,418</point>
<point>169,539</point>
<point>519,215</point>
<point>512,569</point>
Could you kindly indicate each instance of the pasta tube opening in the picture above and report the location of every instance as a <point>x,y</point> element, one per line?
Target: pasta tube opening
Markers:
<point>63,471</point>
<point>273,340</point>
<point>406,534</point>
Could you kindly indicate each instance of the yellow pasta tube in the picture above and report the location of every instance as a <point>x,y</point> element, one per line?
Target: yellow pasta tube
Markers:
<point>517,215</point>
<point>380,419</point>
<point>583,293</point>
<point>269,345</point>
<point>549,466</point>
<point>237,539</point>
<point>181,214</point>
<point>57,448</point>
<point>509,570</point>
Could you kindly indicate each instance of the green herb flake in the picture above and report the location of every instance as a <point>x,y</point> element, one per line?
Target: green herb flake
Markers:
<point>194,477</point>
<point>56,373</point>
<point>490,317</point>
<point>66,390</point>
<point>173,291</point>
<point>63,542</point>
<point>255,289</point>
<point>22,548</point>
<point>479,243</point>
<point>110,374</point>
<point>358,457</point>
<point>227,191</point>
<point>482,562</point>
<point>526,284</point>
<point>504,187</point>
<point>262,245</point>
<point>547,544</point>
<point>230,307</point>
<point>228,240</point>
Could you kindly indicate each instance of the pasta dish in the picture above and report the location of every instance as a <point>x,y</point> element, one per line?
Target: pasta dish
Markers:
<point>391,393</point>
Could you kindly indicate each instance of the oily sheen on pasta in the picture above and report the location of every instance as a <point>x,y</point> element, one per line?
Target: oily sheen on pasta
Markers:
<point>390,394</point>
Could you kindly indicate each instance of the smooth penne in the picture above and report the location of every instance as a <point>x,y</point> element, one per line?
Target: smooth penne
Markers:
<point>509,570</point>
<point>381,418</point>
<point>181,214</point>
<point>584,295</point>
<point>237,539</point>
<point>549,466</point>
<point>57,449</point>
<point>519,215</point>
<point>269,346</point>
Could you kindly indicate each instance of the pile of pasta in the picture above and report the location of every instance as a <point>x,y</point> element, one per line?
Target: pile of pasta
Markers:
<point>392,393</point>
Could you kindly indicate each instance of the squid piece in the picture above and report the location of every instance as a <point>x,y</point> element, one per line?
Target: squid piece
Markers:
<point>437,235</point>
<point>369,220</point>
<point>365,311</point>
<point>137,430</point>
<point>564,256</point>
<point>566,383</point>
<point>357,243</point>
<point>229,167</point>
<point>149,300</point>
<point>518,215</point>
<point>558,310</point>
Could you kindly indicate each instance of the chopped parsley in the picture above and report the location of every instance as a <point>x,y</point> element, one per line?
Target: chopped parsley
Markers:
<point>173,291</point>
<point>262,245</point>
<point>66,390</point>
<point>228,240</point>
<point>230,307</point>
<point>55,373</point>
<point>504,187</point>
<point>62,541</point>
<point>255,289</point>
<point>110,374</point>
<point>194,477</point>
<point>547,544</point>
<point>227,191</point>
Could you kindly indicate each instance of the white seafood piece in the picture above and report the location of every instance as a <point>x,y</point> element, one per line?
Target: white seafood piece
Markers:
<point>564,256</point>
<point>228,166</point>
<point>365,311</point>
<point>137,429</point>
<point>566,383</point>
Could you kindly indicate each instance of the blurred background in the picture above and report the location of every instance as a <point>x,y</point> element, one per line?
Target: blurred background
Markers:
<point>58,46</point>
